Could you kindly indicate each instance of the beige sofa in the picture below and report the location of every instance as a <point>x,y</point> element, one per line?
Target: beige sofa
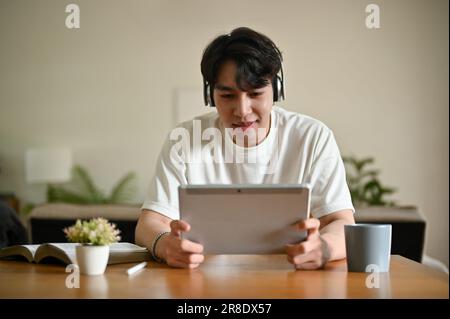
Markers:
<point>47,221</point>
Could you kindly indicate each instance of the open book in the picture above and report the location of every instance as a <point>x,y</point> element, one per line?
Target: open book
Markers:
<point>65,252</point>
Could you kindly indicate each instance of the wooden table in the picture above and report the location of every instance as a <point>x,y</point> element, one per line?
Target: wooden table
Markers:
<point>224,276</point>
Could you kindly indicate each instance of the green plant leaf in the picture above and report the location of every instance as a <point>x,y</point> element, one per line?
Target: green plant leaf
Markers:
<point>373,193</point>
<point>26,210</point>
<point>60,195</point>
<point>82,190</point>
<point>361,163</point>
<point>372,173</point>
<point>364,185</point>
<point>86,186</point>
<point>124,190</point>
<point>388,190</point>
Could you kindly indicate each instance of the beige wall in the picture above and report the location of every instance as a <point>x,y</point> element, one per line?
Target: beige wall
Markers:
<point>107,89</point>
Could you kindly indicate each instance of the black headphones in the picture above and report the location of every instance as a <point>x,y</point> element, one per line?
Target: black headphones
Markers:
<point>277,85</point>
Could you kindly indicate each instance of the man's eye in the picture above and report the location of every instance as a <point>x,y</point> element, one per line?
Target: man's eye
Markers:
<point>227,96</point>
<point>255,94</point>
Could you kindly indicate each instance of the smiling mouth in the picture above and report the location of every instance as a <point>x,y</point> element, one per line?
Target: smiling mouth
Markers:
<point>244,126</point>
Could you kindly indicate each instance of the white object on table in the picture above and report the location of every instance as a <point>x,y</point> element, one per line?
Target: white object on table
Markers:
<point>136,268</point>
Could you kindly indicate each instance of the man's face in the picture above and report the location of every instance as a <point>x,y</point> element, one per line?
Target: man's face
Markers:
<point>243,111</point>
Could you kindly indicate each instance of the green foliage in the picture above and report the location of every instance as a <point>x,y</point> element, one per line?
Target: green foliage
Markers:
<point>84,191</point>
<point>364,184</point>
<point>26,210</point>
<point>123,190</point>
<point>97,231</point>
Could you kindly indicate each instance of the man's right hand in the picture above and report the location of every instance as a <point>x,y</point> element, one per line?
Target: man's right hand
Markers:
<point>177,252</point>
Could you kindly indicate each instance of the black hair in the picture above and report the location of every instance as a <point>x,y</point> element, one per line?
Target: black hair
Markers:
<point>257,58</point>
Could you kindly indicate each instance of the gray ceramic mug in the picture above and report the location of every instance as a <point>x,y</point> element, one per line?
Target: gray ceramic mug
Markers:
<point>368,247</point>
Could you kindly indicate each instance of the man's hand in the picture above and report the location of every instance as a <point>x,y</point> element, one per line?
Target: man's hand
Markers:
<point>311,253</point>
<point>177,252</point>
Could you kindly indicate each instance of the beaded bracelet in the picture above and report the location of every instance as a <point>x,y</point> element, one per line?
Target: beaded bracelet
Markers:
<point>153,250</point>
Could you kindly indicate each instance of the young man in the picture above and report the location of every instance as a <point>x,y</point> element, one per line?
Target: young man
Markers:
<point>243,77</point>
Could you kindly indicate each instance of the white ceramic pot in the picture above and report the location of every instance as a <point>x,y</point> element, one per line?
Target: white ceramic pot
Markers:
<point>92,260</point>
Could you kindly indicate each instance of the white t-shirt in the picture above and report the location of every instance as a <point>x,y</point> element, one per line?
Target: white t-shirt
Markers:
<point>298,149</point>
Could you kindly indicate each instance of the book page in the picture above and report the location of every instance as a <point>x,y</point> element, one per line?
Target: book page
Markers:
<point>27,251</point>
<point>62,251</point>
<point>129,247</point>
<point>31,248</point>
<point>68,249</point>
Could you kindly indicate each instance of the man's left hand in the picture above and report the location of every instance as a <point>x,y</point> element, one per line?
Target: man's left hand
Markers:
<point>311,253</point>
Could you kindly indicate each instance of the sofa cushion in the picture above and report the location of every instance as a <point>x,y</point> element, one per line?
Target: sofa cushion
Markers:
<point>74,211</point>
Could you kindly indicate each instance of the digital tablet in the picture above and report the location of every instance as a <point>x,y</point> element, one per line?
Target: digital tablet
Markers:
<point>244,219</point>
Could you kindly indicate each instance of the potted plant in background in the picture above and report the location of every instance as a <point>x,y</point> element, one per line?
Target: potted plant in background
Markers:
<point>94,237</point>
<point>372,205</point>
<point>364,184</point>
<point>82,190</point>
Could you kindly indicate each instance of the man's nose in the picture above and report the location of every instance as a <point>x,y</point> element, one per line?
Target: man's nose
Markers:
<point>243,106</point>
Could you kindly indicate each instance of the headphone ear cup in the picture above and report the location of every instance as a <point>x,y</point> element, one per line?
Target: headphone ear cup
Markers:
<point>277,89</point>
<point>211,96</point>
<point>208,98</point>
<point>207,94</point>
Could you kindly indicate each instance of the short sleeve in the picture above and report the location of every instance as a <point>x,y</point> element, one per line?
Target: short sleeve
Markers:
<point>169,174</point>
<point>329,189</point>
